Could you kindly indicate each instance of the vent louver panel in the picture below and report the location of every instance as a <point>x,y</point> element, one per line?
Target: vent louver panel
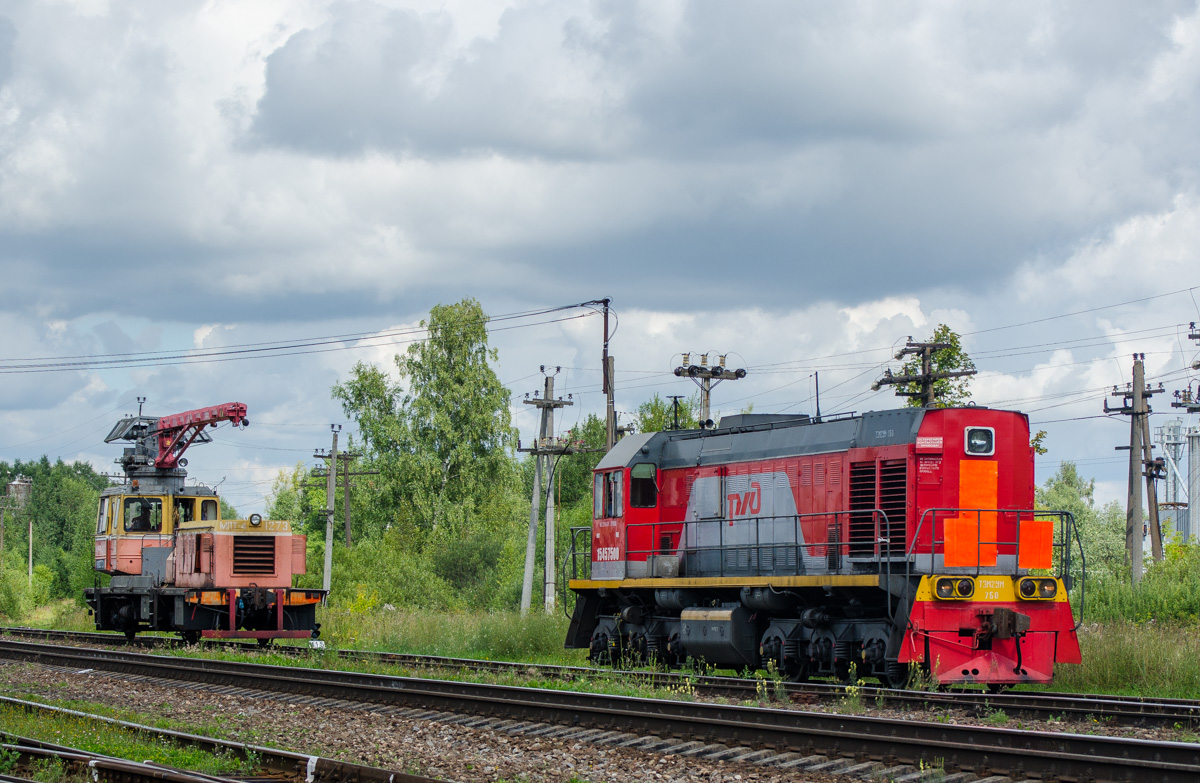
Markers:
<point>893,501</point>
<point>253,555</point>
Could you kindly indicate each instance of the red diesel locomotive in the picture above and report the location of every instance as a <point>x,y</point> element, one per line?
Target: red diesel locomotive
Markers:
<point>875,543</point>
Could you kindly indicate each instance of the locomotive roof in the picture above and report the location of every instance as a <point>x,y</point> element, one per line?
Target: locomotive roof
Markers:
<point>771,436</point>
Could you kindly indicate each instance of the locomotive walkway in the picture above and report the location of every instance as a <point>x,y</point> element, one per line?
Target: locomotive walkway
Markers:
<point>1027,705</point>
<point>851,741</point>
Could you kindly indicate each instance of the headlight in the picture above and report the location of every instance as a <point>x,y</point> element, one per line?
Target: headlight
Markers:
<point>1038,589</point>
<point>255,520</point>
<point>948,588</point>
<point>980,441</point>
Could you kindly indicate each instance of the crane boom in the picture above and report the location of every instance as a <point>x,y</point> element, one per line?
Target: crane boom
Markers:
<point>179,430</point>
<point>159,443</point>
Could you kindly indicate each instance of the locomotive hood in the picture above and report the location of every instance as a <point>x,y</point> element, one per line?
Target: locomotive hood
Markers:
<point>765,436</point>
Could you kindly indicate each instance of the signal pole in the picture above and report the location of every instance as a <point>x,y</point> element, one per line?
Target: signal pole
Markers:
<point>927,377</point>
<point>1133,404</point>
<point>707,377</point>
<point>609,370</point>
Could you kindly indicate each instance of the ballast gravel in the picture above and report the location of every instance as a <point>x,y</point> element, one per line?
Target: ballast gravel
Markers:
<point>423,747</point>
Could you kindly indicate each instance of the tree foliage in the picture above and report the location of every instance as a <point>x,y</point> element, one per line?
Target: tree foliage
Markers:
<point>657,414</point>
<point>947,392</point>
<point>441,433</point>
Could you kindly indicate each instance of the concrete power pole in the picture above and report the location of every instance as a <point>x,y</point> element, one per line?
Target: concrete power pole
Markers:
<point>330,491</point>
<point>609,370</point>
<point>547,450</point>
<point>1134,404</point>
<point>707,377</point>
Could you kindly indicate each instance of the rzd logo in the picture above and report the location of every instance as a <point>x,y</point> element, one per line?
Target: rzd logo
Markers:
<point>745,503</point>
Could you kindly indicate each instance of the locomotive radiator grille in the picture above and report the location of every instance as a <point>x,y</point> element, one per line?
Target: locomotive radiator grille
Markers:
<point>253,555</point>
<point>862,505</point>
<point>893,501</point>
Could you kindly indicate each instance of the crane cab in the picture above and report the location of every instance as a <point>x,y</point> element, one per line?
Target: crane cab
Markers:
<point>132,525</point>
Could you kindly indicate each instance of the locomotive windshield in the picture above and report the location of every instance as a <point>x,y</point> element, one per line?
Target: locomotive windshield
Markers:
<point>643,492</point>
<point>143,515</point>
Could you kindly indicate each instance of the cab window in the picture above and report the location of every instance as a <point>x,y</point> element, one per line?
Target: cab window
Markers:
<point>608,500</point>
<point>143,515</point>
<point>102,518</point>
<point>185,510</point>
<point>643,489</point>
<point>208,510</point>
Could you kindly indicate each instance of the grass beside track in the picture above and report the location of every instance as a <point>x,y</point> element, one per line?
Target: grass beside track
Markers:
<point>99,737</point>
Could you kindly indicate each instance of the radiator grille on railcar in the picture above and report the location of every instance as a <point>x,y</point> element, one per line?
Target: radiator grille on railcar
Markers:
<point>253,555</point>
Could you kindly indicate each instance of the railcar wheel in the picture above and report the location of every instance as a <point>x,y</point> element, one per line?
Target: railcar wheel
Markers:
<point>190,638</point>
<point>130,635</point>
<point>265,642</point>
<point>997,687</point>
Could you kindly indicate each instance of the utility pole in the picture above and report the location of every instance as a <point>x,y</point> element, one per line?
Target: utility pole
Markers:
<point>927,377</point>
<point>546,449</point>
<point>330,490</point>
<point>1133,404</point>
<point>323,473</point>
<point>706,378</point>
<point>609,370</point>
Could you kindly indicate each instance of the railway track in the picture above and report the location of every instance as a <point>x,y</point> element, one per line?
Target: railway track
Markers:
<point>980,749</point>
<point>1028,705</point>
<point>280,765</point>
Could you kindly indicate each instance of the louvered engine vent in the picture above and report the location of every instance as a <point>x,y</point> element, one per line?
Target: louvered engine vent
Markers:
<point>253,555</point>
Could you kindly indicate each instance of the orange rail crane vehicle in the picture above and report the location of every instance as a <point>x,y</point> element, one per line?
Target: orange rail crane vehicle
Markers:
<point>176,565</point>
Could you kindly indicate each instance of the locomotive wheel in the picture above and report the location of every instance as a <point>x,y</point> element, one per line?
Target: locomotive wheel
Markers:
<point>896,675</point>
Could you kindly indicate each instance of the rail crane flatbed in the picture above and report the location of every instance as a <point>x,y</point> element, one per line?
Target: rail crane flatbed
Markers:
<point>175,564</point>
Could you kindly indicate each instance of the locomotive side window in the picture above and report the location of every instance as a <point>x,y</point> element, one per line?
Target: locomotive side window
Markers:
<point>616,493</point>
<point>102,519</point>
<point>598,497</point>
<point>208,510</point>
<point>980,441</point>
<point>143,515</point>
<point>643,491</point>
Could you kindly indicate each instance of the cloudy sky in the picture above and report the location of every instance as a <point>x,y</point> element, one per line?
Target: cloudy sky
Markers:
<point>801,185</point>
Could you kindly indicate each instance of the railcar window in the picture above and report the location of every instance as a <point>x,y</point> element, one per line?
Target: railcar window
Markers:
<point>102,519</point>
<point>185,510</point>
<point>143,515</point>
<point>643,491</point>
